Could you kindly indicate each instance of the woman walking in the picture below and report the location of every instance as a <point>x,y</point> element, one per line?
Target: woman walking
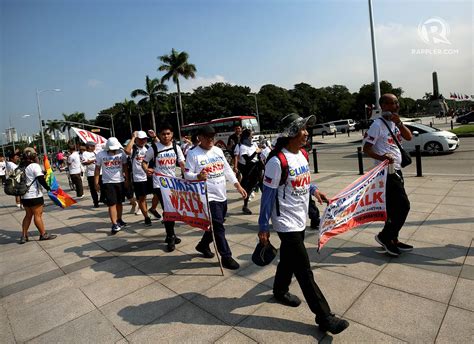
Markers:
<point>32,200</point>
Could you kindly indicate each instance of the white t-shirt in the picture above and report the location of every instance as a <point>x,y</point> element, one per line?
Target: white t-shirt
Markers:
<point>383,143</point>
<point>89,156</point>
<point>214,162</point>
<point>139,174</point>
<point>112,166</point>
<point>3,167</point>
<point>264,154</point>
<point>10,167</point>
<point>74,162</point>
<point>246,150</point>
<point>293,197</point>
<point>165,162</point>
<point>32,171</point>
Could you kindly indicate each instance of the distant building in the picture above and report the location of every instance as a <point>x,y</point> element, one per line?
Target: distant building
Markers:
<point>11,134</point>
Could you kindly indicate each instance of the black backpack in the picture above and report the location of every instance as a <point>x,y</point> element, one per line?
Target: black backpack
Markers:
<point>15,185</point>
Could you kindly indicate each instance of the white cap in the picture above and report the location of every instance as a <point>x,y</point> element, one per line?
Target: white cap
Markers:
<point>113,144</point>
<point>141,135</point>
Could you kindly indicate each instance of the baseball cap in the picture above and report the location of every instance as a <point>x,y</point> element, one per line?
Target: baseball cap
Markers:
<point>90,144</point>
<point>264,254</point>
<point>141,135</point>
<point>207,131</point>
<point>113,144</point>
<point>293,123</point>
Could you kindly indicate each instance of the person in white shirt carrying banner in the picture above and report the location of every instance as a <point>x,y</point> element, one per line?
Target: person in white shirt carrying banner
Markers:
<point>285,199</point>
<point>207,162</point>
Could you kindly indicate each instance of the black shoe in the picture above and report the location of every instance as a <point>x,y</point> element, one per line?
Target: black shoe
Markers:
<point>115,229</point>
<point>288,299</point>
<point>23,239</point>
<point>246,211</point>
<point>47,236</point>
<point>154,213</point>
<point>230,263</point>
<point>332,324</point>
<point>96,205</point>
<point>206,252</point>
<point>402,246</point>
<point>147,222</point>
<point>121,223</point>
<point>171,243</point>
<point>315,225</point>
<point>389,246</point>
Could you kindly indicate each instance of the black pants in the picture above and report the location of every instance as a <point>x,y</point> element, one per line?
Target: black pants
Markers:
<point>397,204</point>
<point>77,181</point>
<point>294,260</point>
<point>313,211</point>
<point>250,178</point>
<point>218,211</point>
<point>94,194</point>
<point>169,225</point>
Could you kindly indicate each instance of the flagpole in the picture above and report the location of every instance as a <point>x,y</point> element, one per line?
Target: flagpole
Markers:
<point>212,230</point>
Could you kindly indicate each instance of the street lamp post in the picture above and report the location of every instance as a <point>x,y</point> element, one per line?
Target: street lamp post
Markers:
<point>177,118</point>
<point>38,92</point>
<point>11,133</point>
<point>111,119</point>
<point>374,58</point>
<point>256,106</point>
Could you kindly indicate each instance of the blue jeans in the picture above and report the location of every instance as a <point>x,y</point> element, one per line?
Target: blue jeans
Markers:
<point>218,212</point>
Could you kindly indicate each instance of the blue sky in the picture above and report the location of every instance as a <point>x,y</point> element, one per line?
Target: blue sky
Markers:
<point>96,52</point>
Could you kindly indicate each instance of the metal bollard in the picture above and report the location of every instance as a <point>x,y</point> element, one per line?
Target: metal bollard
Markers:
<point>335,133</point>
<point>315,160</point>
<point>348,133</point>
<point>361,162</point>
<point>419,172</point>
<point>452,125</point>
<point>431,124</point>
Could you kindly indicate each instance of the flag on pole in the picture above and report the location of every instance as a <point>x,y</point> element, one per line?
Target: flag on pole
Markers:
<point>57,195</point>
<point>361,202</point>
<point>185,200</point>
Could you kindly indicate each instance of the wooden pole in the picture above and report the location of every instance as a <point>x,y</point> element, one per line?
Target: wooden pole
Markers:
<point>212,231</point>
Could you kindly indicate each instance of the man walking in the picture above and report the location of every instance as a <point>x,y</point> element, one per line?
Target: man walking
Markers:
<point>379,144</point>
<point>88,160</point>
<point>74,164</point>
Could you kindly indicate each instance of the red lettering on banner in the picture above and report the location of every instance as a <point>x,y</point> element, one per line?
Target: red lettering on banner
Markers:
<point>174,199</point>
<point>182,202</point>
<point>199,203</point>
<point>377,197</point>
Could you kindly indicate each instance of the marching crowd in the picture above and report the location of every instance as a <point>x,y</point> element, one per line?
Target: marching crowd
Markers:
<point>280,170</point>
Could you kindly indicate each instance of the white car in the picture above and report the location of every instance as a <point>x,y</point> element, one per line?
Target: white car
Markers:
<point>431,140</point>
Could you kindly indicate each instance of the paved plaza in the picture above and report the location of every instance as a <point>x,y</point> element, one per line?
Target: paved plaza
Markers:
<point>89,287</point>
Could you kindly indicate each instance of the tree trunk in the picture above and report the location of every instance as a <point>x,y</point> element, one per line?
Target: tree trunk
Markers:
<point>180,103</point>
<point>153,118</point>
<point>140,120</point>
<point>130,122</point>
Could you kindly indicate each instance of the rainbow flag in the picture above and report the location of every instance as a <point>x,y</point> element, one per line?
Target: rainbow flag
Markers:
<point>57,195</point>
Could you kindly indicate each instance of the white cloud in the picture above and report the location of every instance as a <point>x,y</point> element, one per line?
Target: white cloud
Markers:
<point>190,84</point>
<point>94,83</point>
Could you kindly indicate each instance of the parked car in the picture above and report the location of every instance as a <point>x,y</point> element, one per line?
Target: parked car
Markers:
<point>431,140</point>
<point>324,129</point>
<point>344,125</point>
<point>465,119</point>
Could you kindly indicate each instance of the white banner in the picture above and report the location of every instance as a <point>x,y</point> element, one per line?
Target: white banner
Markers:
<point>185,201</point>
<point>361,202</point>
<point>87,136</point>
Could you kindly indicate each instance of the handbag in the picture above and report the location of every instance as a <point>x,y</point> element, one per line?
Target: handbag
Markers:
<point>406,158</point>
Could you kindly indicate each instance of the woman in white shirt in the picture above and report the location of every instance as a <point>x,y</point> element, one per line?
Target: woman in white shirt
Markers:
<point>32,200</point>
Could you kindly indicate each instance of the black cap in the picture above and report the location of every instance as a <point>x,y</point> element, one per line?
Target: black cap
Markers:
<point>264,254</point>
<point>206,131</point>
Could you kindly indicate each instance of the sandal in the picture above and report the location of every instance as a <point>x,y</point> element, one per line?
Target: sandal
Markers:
<point>47,236</point>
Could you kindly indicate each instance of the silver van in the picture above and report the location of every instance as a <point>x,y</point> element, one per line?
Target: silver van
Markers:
<point>344,125</point>
<point>324,129</point>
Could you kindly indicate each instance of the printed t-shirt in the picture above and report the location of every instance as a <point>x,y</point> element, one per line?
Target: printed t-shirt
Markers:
<point>32,171</point>
<point>214,162</point>
<point>3,167</point>
<point>383,143</point>
<point>138,154</point>
<point>165,162</point>
<point>293,196</point>
<point>90,169</point>
<point>246,150</point>
<point>74,162</point>
<point>112,166</point>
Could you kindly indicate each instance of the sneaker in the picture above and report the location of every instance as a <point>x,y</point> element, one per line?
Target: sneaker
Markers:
<point>332,324</point>
<point>147,222</point>
<point>252,196</point>
<point>138,211</point>
<point>133,208</point>
<point>315,225</point>
<point>80,197</point>
<point>288,299</point>
<point>155,213</point>
<point>246,211</point>
<point>402,246</point>
<point>23,239</point>
<point>206,252</point>
<point>47,236</point>
<point>121,223</point>
<point>115,229</point>
<point>172,241</point>
<point>96,205</point>
<point>230,263</point>
<point>389,246</point>
<point>18,205</point>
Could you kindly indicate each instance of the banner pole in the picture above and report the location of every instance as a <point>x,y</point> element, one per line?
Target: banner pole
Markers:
<point>212,231</point>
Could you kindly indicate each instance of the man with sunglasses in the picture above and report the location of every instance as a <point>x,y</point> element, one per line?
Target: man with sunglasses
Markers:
<point>207,162</point>
<point>380,145</point>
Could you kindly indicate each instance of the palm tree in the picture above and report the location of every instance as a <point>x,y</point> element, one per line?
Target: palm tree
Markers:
<point>176,65</point>
<point>127,108</point>
<point>153,89</point>
<point>52,127</point>
<point>78,117</point>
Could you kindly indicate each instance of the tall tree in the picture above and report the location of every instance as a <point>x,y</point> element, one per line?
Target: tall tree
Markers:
<point>127,108</point>
<point>154,88</point>
<point>175,65</point>
<point>52,127</point>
